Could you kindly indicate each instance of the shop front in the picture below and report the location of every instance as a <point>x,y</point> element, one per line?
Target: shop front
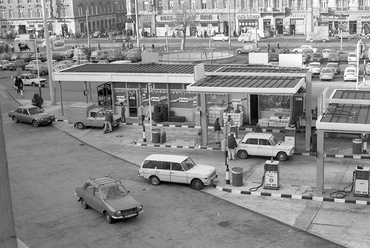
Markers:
<point>209,25</point>
<point>246,22</point>
<point>297,24</point>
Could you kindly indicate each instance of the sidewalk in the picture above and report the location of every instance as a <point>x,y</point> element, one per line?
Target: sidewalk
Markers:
<point>296,203</point>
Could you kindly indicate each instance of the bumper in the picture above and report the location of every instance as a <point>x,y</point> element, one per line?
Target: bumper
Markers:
<point>209,181</point>
<point>126,216</point>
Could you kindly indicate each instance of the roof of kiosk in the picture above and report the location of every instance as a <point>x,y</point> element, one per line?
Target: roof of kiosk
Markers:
<point>348,110</point>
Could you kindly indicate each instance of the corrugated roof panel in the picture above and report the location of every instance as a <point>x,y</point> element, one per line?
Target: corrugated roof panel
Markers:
<point>352,94</point>
<point>347,113</point>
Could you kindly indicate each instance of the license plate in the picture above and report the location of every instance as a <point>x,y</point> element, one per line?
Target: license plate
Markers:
<point>130,215</point>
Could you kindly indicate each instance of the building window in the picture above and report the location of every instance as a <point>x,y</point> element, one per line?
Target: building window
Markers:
<point>204,4</point>
<point>292,4</point>
<point>146,6</point>
<point>214,4</point>
<point>323,4</point>
<point>38,12</point>
<point>253,4</point>
<point>268,4</point>
<point>29,13</point>
<point>11,13</point>
<point>300,4</point>
<point>192,4</point>
<point>243,4</point>
<point>277,4</point>
<point>170,4</point>
<point>2,14</point>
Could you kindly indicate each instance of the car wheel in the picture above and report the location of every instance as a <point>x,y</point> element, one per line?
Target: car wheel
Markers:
<point>281,156</point>
<point>84,204</point>
<point>196,184</point>
<point>154,180</point>
<point>243,154</point>
<point>33,84</point>
<point>108,218</point>
<point>15,119</point>
<point>35,123</point>
<point>80,125</point>
<point>239,52</point>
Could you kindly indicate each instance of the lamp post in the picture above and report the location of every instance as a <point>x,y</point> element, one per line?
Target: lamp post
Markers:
<point>137,25</point>
<point>229,29</point>
<point>87,27</point>
<point>154,11</point>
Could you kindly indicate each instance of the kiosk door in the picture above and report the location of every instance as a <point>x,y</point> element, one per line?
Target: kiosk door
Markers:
<point>132,103</point>
<point>254,109</point>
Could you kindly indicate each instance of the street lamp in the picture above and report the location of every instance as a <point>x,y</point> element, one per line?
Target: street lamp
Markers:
<point>137,25</point>
<point>153,9</point>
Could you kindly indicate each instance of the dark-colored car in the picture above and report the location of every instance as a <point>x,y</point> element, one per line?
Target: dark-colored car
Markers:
<point>274,56</point>
<point>248,48</point>
<point>57,56</point>
<point>333,57</point>
<point>335,66</point>
<point>308,53</point>
<point>109,197</point>
<point>26,57</point>
<point>134,55</point>
<point>122,38</point>
<point>31,114</point>
<point>116,56</point>
<point>13,65</point>
<point>317,57</point>
<point>40,56</point>
<point>327,73</point>
<point>67,54</point>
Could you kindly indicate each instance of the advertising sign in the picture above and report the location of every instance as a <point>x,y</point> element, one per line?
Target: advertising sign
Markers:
<point>27,46</point>
<point>58,44</point>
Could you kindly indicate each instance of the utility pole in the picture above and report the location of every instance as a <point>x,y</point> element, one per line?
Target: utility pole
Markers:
<point>229,21</point>
<point>87,27</point>
<point>48,55</point>
<point>137,25</point>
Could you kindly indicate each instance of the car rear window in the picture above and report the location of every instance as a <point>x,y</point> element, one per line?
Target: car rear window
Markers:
<point>149,164</point>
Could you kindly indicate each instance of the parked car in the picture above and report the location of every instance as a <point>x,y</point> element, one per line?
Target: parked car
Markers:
<point>13,65</point>
<point>103,61</point>
<point>350,74</point>
<point>335,67</point>
<point>367,69</point>
<point>263,144</point>
<point>67,54</point>
<point>109,197</point>
<point>59,67</point>
<point>176,169</point>
<point>308,53</point>
<point>333,57</point>
<point>6,56</point>
<point>134,55</point>
<point>220,37</point>
<point>101,54</point>
<point>3,62</point>
<point>303,47</point>
<point>325,53</point>
<point>81,53</point>
<point>249,36</point>
<point>317,57</point>
<point>327,73</point>
<point>67,62</point>
<point>43,69</point>
<point>117,55</point>
<point>98,34</point>
<point>26,57</point>
<point>248,48</point>
<point>57,56</point>
<point>32,80</point>
<point>122,38</point>
<point>274,56</point>
<point>121,62</point>
<point>352,57</point>
<point>345,35</point>
<point>40,56</point>
<point>32,65</point>
<point>31,114</point>
<point>315,67</point>
<point>352,64</point>
<point>15,56</point>
<point>81,62</point>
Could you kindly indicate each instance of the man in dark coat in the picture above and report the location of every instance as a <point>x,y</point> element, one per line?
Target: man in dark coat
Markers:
<point>231,145</point>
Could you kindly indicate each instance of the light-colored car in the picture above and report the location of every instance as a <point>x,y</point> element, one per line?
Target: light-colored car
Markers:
<point>109,197</point>
<point>352,57</point>
<point>121,62</point>
<point>367,68</point>
<point>33,80</point>
<point>263,144</point>
<point>315,67</point>
<point>81,62</point>
<point>345,35</point>
<point>59,67</point>
<point>303,47</point>
<point>32,65</point>
<point>249,36</point>
<point>352,64</point>
<point>248,48</point>
<point>176,169</point>
<point>335,67</point>
<point>3,62</point>
<point>327,73</point>
<point>350,74</point>
<point>31,114</point>
<point>220,37</point>
<point>67,62</point>
<point>325,53</point>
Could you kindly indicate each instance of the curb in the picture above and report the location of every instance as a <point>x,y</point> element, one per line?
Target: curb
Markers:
<point>297,197</point>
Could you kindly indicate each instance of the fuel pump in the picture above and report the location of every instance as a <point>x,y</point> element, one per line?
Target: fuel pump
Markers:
<point>289,137</point>
<point>271,175</point>
<point>361,178</point>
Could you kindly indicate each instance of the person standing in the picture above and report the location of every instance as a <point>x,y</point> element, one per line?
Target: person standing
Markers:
<point>277,45</point>
<point>108,122</point>
<point>268,47</point>
<point>123,112</point>
<point>217,128</point>
<point>231,145</point>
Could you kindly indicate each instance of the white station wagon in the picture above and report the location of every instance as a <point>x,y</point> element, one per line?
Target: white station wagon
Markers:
<point>263,144</point>
<point>176,169</point>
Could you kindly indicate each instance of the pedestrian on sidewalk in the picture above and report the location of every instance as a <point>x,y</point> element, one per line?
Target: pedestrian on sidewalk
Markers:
<point>268,47</point>
<point>108,122</point>
<point>231,145</point>
<point>123,112</point>
<point>277,45</point>
<point>217,128</point>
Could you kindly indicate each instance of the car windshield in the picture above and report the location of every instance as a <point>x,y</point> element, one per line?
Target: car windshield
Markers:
<point>188,164</point>
<point>351,55</point>
<point>331,65</point>
<point>113,192</point>
<point>32,76</point>
<point>326,70</point>
<point>314,65</point>
<point>35,111</point>
<point>351,71</point>
<point>273,140</point>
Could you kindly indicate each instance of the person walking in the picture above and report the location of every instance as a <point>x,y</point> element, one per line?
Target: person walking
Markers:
<point>123,112</point>
<point>217,128</point>
<point>268,47</point>
<point>99,48</point>
<point>277,45</point>
<point>108,122</point>
<point>231,145</point>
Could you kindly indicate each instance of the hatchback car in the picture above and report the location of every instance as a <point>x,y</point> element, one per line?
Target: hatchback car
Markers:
<point>350,74</point>
<point>315,67</point>
<point>109,197</point>
<point>335,67</point>
<point>220,37</point>
<point>263,144</point>
<point>176,169</point>
<point>352,57</point>
<point>32,65</point>
<point>317,57</point>
<point>31,114</point>
<point>33,80</point>
<point>327,73</point>
<point>248,48</point>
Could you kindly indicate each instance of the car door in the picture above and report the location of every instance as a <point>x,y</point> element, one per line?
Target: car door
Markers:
<point>25,80</point>
<point>96,201</point>
<point>265,148</point>
<point>178,174</point>
<point>88,194</point>
<point>162,171</point>
<point>251,146</point>
<point>23,116</point>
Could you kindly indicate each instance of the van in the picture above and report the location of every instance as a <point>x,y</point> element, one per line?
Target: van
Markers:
<point>22,37</point>
<point>101,54</point>
<point>249,36</point>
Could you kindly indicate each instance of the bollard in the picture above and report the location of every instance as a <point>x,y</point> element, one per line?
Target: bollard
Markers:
<point>227,175</point>
<point>143,124</point>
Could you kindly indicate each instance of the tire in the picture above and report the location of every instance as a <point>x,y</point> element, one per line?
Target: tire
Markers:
<point>84,204</point>
<point>154,180</point>
<point>35,123</point>
<point>197,184</point>
<point>33,84</point>
<point>80,125</point>
<point>15,119</point>
<point>243,154</point>
<point>108,218</point>
<point>281,156</point>
<point>239,52</point>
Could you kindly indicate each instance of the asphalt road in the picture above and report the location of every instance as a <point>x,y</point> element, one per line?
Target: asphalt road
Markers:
<point>46,164</point>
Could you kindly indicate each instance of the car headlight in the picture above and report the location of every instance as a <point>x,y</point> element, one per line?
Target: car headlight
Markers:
<point>118,212</point>
<point>42,119</point>
<point>140,207</point>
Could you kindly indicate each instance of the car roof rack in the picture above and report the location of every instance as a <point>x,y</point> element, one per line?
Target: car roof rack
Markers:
<point>110,179</point>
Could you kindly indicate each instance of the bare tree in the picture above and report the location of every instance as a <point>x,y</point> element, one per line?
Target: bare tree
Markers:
<point>183,19</point>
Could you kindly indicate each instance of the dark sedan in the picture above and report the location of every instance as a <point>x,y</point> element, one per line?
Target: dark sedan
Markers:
<point>13,65</point>
<point>31,114</point>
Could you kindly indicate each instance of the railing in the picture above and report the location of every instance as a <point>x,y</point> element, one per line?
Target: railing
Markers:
<point>205,54</point>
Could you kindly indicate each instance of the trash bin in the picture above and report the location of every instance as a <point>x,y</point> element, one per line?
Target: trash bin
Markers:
<point>237,176</point>
<point>156,134</point>
<point>357,146</point>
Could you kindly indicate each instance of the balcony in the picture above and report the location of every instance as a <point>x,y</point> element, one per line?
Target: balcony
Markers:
<point>342,9</point>
<point>364,8</point>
